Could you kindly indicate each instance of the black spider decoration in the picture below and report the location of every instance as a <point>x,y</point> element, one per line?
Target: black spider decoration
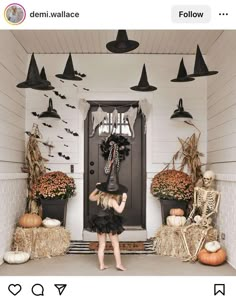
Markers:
<point>122,143</point>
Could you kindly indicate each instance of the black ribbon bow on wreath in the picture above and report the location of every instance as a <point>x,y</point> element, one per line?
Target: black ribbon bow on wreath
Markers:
<point>114,149</point>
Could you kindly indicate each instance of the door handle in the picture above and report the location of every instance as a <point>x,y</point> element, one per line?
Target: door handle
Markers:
<point>91,172</point>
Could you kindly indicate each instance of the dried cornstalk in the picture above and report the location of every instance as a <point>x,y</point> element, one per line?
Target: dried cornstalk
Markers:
<point>189,156</point>
<point>35,163</point>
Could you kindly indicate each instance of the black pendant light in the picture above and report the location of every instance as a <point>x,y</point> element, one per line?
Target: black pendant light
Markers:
<point>50,113</point>
<point>180,114</point>
<point>122,44</point>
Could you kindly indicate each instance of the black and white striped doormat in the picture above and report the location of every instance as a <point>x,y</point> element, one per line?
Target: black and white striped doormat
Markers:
<point>83,247</point>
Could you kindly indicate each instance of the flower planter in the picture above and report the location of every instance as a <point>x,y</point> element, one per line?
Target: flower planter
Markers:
<point>166,206</point>
<point>54,209</point>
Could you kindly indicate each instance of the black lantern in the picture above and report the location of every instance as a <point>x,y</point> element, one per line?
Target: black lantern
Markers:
<point>50,113</point>
<point>180,114</point>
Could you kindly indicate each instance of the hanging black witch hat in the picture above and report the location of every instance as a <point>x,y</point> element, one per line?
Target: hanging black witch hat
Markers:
<point>122,44</point>
<point>182,74</point>
<point>143,85</point>
<point>112,185</point>
<point>33,78</point>
<point>69,72</point>
<point>47,86</point>
<point>200,67</point>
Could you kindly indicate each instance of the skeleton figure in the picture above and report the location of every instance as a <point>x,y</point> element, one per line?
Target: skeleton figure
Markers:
<point>206,203</point>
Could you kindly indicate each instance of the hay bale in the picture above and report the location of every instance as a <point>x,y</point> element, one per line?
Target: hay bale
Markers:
<point>169,240</point>
<point>41,242</point>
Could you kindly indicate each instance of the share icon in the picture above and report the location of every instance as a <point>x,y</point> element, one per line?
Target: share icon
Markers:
<point>61,288</point>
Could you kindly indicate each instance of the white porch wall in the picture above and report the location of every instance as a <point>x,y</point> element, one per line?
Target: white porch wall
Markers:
<point>221,146</point>
<point>13,61</point>
<point>109,78</point>
<point>12,203</point>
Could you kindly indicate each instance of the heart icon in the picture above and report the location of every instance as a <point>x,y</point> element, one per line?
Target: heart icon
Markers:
<point>14,289</point>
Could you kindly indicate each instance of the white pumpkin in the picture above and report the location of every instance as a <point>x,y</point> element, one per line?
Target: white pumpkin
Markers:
<point>16,257</point>
<point>212,246</point>
<point>175,221</point>
<point>197,218</point>
<point>50,223</point>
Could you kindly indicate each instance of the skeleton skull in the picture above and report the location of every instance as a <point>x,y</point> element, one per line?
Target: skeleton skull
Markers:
<point>208,178</point>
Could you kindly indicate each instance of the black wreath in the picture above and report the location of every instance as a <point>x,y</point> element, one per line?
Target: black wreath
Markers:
<point>122,143</point>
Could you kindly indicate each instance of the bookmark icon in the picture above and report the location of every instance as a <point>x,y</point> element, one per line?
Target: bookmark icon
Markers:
<point>60,287</point>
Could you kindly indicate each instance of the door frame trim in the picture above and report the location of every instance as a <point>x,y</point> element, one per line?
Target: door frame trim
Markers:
<point>115,103</point>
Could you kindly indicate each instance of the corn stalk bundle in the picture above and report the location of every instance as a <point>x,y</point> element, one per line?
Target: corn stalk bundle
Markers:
<point>35,164</point>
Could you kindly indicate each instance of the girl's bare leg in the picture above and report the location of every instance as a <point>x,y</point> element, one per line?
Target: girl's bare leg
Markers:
<point>101,249</point>
<point>116,248</point>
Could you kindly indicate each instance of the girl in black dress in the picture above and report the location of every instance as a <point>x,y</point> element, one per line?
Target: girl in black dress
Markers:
<point>111,199</point>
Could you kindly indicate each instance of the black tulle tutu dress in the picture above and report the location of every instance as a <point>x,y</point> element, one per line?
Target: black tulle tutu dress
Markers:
<point>106,221</point>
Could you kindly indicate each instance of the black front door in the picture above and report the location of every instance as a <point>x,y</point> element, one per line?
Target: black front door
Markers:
<point>132,170</point>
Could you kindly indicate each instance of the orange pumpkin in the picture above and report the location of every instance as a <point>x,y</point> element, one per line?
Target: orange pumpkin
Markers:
<point>176,212</point>
<point>30,220</point>
<point>212,258</point>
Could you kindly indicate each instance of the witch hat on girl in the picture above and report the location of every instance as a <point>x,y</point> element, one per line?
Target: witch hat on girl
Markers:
<point>182,74</point>
<point>47,86</point>
<point>33,79</point>
<point>200,67</point>
<point>122,44</point>
<point>112,185</point>
<point>69,72</point>
<point>143,85</point>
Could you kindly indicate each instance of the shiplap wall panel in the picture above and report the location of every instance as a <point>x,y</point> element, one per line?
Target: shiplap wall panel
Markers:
<point>109,77</point>
<point>222,104</point>
<point>13,64</point>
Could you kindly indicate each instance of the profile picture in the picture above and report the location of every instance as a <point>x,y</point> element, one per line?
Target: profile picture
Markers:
<point>15,14</point>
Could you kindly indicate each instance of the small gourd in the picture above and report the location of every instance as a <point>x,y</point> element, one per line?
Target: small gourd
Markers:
<point>175,221</point>
<point>176,212</point>
<point>212,258</point>
<point>16,257</point>
<point>50,223</point>
<point>197,219</point>
<point>212,246</point>
<point>30,220</point>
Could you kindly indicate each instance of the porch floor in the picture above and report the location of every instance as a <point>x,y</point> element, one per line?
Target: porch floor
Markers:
<point>137,265</point>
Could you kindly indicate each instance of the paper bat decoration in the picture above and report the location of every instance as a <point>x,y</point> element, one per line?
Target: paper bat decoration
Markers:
<point>45,124</point>
<point>72,132</point>
<point>59,95</point>
<point>71,106</point>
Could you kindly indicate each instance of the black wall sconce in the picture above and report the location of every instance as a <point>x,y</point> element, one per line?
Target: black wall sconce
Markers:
<point>180,114</point>
<point>50,113</point>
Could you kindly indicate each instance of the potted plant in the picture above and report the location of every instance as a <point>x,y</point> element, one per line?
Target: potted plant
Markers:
<point>174,189</point>
<point>52,190</point>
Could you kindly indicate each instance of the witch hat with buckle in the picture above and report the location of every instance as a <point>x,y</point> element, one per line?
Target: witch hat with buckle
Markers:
<point>182,74</point>
<point>69,72</point>
<point>112,185</point>
<point>47,86</point>
<point>200,67</point>
<point>122,44</point>
<point>33,79</point>
<point>143,85</point>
